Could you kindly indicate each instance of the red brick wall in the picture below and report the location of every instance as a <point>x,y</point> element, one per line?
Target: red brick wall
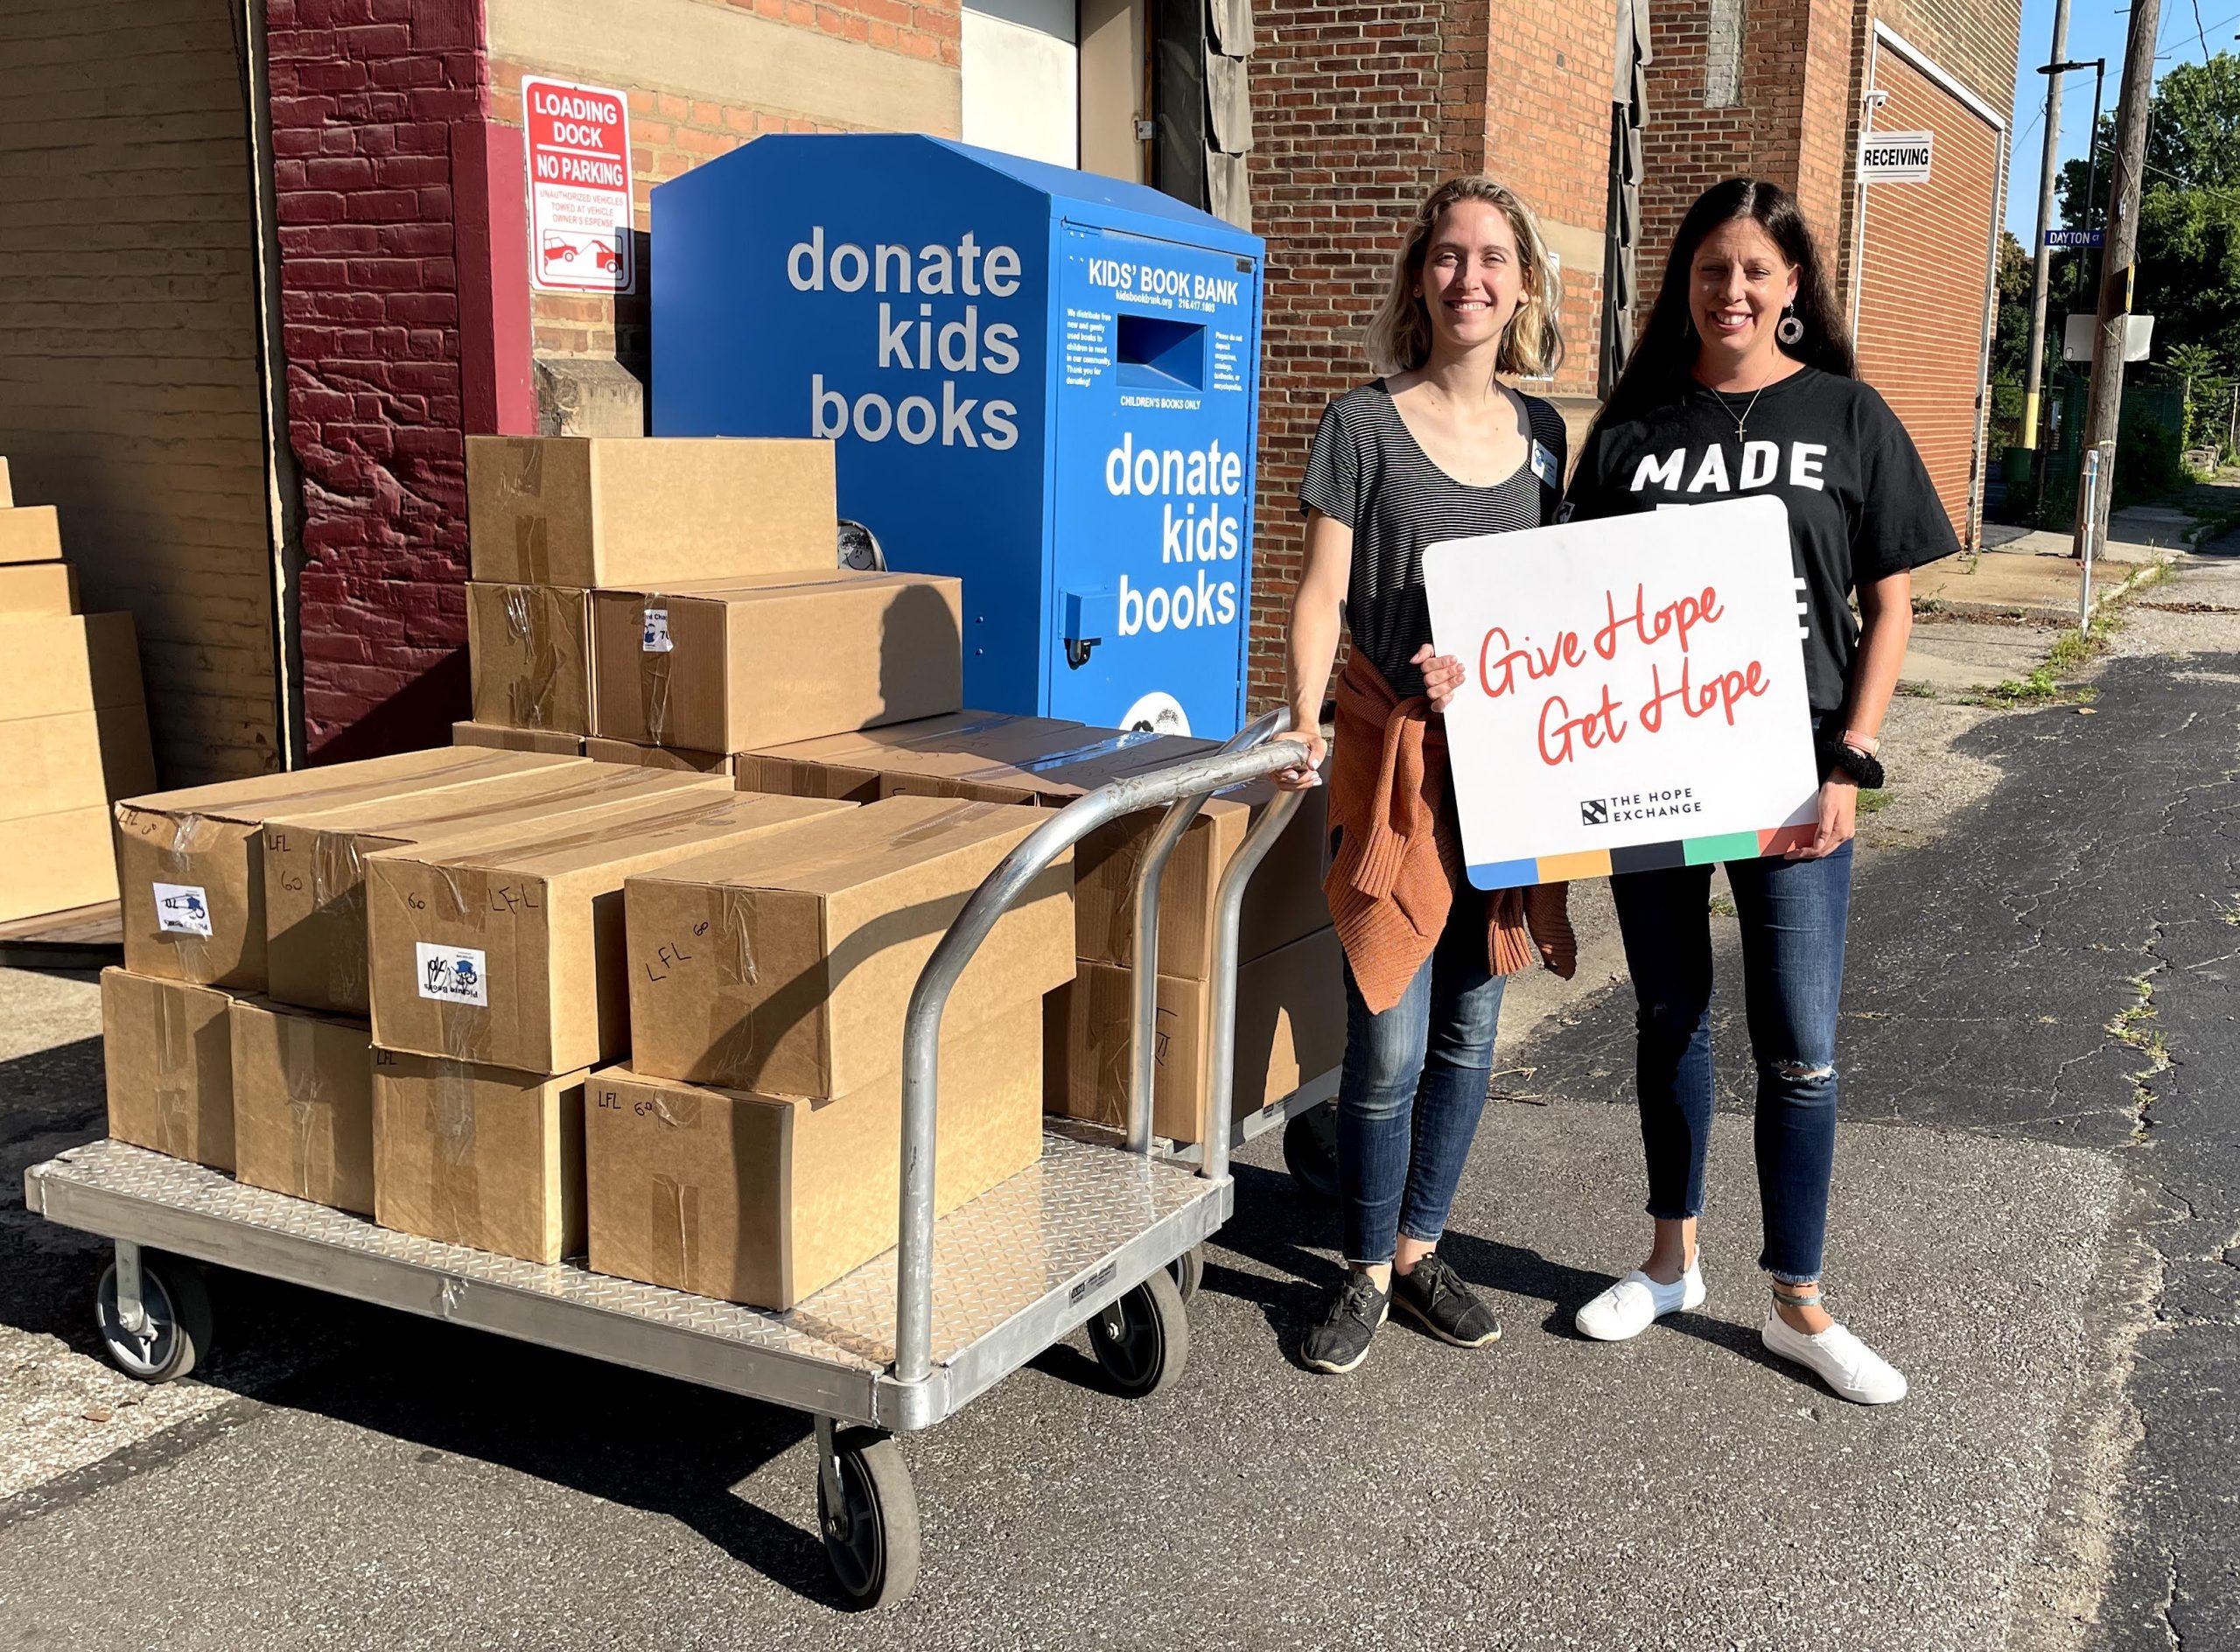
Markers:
<point>1931,238</point>
<point>1358,111</point>
<point>364,96</point>
<point>671,132</point>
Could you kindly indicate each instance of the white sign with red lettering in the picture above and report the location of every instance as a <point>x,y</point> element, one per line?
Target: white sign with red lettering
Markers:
<point>1633,692</point>
<point>579,216</point>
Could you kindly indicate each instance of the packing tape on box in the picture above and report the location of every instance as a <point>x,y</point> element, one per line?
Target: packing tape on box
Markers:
<point>176,1075</point>
<point>454,1180</point>
<point>190,835</point>
<point>339,884</point>
<point>673,1229</point>
<point>532,531</point>
<point>531,699</point>
<point>654,667</point>
<point>731,1019</point>
<point>1104,747</point>
<point>464,1028</point>
<point>309,1104</point>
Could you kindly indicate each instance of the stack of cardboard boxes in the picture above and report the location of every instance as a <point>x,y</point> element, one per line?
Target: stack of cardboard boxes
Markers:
<point>1291,1004</point>
<point>673,601</point>
<point>74,729</point>
<point>535,1003</point>
<point>750,1148</point>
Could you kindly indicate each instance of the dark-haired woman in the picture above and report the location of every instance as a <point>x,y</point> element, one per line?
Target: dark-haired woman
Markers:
<point>1439,448</point>
<point>1743,383</point>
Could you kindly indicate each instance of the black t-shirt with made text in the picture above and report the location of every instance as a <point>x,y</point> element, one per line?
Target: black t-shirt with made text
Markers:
<point>1861,506</point>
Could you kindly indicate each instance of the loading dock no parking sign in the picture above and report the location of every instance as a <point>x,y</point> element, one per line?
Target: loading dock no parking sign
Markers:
<point>578,187</point>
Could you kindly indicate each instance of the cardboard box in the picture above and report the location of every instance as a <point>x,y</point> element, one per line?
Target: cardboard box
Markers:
<point>603,751</point>
<point>478,1156</point>
<point>52,862</point>
<point>68,663</point>
<point>7,496</point>
<point>315,862</point>
<point>30,532</point>
<point>784,965</point>
<point>565,510</point>
<point>304,1104</point>
<point>529,654</point>
<point>1034,761</point>
<point>169,1055</point>
<point>765,1201</point>
<point>39,587</point>
<point>504,739</point>
<point>507,948</point>
<point>1291,1026</point>
<point>849,764</point>
<point>732,668</point>
<point>74,760</point>
<point>190,864</point>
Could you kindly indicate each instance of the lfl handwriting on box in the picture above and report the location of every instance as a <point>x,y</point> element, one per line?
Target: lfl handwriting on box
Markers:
<point>1633,692</point>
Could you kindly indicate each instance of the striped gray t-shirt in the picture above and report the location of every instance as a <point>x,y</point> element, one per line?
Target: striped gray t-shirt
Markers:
<point>1366,471</point>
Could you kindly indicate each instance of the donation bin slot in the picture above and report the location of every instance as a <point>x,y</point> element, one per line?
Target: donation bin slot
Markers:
<point>1155,352</point>
<point>1042,382</point>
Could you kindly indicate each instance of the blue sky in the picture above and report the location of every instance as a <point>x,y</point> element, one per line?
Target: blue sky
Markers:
<point>2096,28</point>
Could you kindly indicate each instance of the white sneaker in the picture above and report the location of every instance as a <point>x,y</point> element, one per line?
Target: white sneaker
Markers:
<point>1840,1360</point>
<point>1636,1302</point>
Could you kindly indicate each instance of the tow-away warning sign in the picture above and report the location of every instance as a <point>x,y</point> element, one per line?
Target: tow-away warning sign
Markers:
<point>578,187</point>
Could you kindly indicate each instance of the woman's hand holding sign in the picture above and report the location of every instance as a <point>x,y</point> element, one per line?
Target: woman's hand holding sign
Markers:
<point>1442,675</point>
<point>1838,820</point>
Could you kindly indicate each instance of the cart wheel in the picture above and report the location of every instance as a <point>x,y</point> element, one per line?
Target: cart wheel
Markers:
<point>1188,1272</point>
<point>179,1326</point>
<point>1142,1342</point>
<point>1311,1152</point>
<point>873,1543</point>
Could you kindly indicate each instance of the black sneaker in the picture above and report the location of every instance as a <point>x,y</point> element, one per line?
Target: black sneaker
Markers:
<point>1447,1308</point>
<point>1339,1341</point>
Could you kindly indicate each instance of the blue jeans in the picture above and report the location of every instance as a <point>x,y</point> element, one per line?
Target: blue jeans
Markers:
<point>1792,915</point>
<point>1412,1087</point>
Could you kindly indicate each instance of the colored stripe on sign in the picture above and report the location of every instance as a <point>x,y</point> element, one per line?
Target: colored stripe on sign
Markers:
<point>1602,863</point>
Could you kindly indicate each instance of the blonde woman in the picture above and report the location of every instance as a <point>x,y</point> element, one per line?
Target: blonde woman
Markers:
<point>1439,448</point>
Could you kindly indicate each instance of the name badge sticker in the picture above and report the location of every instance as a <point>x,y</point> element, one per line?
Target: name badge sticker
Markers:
<point>182,909</point>
<point>453,975</point>
<point>1543,466</point>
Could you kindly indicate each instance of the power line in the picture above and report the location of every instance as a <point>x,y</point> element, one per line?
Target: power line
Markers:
<point>2200,31</point>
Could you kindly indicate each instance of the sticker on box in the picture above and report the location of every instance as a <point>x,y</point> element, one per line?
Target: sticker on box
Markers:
<point>657,637</point>
<point>182,909</point>
<point>452,975</point>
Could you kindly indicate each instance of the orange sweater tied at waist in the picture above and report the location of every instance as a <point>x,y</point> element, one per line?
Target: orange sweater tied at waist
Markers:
<point>1399,857</point>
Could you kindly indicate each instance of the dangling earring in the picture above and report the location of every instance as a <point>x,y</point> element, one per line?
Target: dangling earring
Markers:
<point>1790,329</point>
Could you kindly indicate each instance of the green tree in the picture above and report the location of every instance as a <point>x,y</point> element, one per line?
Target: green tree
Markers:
<point>2189,212</point>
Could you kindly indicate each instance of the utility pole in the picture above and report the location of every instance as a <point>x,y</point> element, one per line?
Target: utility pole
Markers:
<point>2105,405</point>
<point>2042,256</point>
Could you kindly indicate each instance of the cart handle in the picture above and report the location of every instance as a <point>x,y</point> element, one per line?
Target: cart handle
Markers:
<point>1143,1066</point>
<point>1192,782</point>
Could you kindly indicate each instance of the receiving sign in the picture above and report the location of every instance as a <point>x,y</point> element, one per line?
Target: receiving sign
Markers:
<point>1633,693</point>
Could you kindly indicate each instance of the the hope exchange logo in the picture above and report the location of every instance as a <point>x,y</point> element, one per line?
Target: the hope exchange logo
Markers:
<point>1594,811</point>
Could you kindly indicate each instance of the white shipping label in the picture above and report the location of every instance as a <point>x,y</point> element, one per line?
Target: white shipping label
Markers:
<point>452,975</point>
<point>182,909</point>
<point>656,638</point>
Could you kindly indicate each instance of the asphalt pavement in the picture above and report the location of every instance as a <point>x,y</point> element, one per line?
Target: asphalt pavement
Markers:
<point>2037,1214</point>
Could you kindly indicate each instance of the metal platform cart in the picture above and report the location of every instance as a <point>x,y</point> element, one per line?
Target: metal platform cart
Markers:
<point>1101,1235</point>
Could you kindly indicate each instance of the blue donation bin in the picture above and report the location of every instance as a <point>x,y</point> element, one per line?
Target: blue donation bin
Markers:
<point>1043,382</point>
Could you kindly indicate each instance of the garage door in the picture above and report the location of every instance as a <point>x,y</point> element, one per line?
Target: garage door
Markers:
<point>130,395</point>
<point>1922,284</point>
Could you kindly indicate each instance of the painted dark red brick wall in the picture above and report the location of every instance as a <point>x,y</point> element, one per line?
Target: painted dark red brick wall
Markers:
<point>375,105</point>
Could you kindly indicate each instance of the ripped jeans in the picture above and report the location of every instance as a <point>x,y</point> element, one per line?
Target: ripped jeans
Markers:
<point>1792,915</point>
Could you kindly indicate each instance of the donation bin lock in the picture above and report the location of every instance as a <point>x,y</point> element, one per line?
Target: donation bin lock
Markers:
<point>1042,381</point>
